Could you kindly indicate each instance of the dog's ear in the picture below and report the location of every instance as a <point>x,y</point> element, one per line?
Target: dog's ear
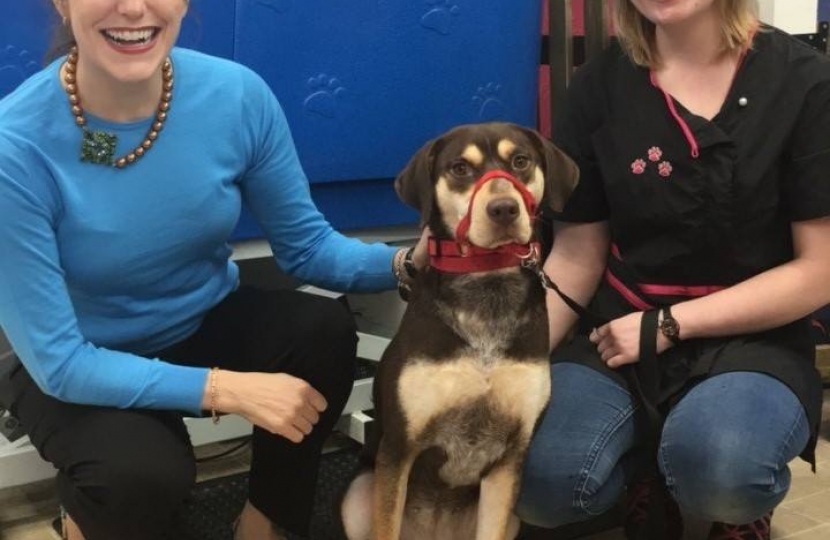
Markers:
<point>561,173</point>
<point>414,185</point>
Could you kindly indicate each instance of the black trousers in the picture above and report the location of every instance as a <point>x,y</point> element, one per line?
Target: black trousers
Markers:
<point>124,474</point>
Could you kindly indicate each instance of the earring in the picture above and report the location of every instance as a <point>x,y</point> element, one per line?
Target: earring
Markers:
<point>65,21</point>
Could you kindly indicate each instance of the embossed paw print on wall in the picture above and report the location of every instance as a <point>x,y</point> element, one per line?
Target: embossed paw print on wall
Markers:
<point>325,92</point>
<point>440,16</point>
<point>280,6</point>
<point>490,107</point>
<point>16,65</point>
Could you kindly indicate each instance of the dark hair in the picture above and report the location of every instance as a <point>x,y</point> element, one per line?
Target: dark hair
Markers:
<point>62,40</point>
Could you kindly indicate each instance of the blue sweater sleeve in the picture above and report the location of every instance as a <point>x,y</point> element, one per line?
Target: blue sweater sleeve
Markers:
<point>37,316</point>
<point>277,192</point>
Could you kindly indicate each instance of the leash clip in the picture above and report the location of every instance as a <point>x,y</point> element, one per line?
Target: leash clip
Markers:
<point>531,258</point>
<point>547,283</point>
<point>531,261</point>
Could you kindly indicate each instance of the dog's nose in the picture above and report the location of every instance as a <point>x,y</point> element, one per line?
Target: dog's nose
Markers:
<point>503,211</point>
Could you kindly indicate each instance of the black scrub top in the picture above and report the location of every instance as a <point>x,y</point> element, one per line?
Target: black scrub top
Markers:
<point>696,205</point>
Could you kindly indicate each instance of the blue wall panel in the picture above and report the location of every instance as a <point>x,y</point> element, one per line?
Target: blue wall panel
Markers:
<point>364,83</point>
<point>209,27</point>
<point>24,39</point>
<point>348,205</point>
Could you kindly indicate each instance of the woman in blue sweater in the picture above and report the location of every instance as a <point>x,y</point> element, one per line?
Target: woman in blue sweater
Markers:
<point>123,166</point>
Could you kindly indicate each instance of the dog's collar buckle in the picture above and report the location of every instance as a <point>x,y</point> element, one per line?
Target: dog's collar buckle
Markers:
<point>532,258</point>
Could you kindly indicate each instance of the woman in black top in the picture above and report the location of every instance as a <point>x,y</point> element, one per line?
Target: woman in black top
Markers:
<point>703,140</point>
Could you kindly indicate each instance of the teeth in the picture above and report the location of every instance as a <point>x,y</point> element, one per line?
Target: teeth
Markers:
<point>129,36</point>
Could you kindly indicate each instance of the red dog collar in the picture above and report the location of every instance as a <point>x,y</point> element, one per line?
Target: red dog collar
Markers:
<point>453,258</point>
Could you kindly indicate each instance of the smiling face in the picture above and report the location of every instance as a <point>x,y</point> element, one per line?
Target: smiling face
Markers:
<point>126,40</point>
<point>670,12</point>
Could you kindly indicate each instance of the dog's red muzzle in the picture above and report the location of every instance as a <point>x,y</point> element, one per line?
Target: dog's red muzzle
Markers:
<point>463,228</point>
<point>460,257</point>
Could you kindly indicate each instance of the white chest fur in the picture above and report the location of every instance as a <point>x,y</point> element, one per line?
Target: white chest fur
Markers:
<point>516,389</point>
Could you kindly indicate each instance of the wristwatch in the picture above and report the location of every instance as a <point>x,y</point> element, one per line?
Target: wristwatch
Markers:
<point>669,326</point>
<point>409,264</point>
<point>404,269</point>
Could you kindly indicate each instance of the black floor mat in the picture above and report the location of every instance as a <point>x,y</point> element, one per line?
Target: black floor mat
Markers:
<point>214,504</point>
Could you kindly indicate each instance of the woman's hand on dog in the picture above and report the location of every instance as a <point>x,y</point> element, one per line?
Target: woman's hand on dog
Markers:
<point>618,342</point>
<point>277,402</point>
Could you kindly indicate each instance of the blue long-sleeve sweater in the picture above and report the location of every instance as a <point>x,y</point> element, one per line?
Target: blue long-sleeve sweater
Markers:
<point>100,266</point>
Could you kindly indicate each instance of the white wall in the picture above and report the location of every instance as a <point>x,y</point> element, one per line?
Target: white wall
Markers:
<point>793,16</point>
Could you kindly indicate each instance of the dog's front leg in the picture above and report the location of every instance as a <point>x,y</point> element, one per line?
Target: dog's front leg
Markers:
<point>499,490</point>
<point>391,479</point>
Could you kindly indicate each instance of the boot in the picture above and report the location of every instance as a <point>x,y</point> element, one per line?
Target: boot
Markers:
<point>638,506</point>
<point>757,530</point>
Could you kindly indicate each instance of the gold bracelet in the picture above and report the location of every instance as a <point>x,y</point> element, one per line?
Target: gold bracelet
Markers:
<point>214,384</point>
<point>403,267</point>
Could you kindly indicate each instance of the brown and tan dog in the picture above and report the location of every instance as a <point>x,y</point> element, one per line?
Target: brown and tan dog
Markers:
<point>463,383</point>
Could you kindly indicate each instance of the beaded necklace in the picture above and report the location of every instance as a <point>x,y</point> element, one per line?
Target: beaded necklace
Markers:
<point>98,147</point>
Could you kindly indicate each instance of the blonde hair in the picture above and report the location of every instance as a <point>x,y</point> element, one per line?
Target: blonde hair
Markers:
<point>637,34</point>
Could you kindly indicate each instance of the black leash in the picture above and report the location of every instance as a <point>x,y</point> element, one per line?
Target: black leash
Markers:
<point>591,318</point>
<point>644,377</point>
<point>643,380</point>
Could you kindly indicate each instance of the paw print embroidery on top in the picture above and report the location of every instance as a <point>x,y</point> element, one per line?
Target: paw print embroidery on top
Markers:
<point>323,98</point>
<point>654,154</point>
<point>439,18</point>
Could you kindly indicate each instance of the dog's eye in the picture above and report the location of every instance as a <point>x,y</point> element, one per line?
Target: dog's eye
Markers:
<point>521,162</point>
<point>461,168</point>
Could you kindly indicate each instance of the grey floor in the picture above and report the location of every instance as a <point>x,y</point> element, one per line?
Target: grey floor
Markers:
<point>26,512</point>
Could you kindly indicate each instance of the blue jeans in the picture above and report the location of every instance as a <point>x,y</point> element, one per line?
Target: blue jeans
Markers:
<point>723,451</point>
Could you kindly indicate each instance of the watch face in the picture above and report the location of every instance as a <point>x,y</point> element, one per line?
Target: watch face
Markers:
<point>670,328</point>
